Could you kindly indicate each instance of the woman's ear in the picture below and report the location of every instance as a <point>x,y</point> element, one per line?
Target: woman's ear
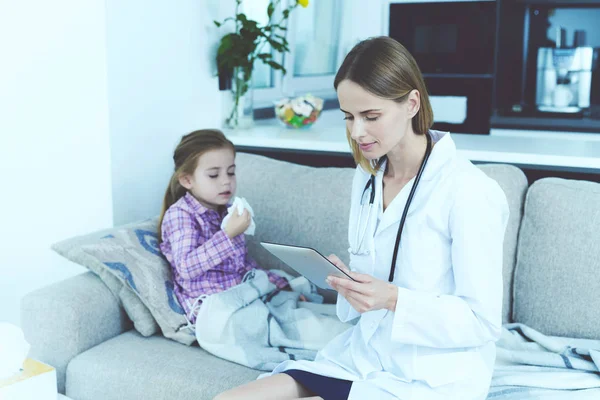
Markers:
<point>414,103</point>
<point>185,180</point>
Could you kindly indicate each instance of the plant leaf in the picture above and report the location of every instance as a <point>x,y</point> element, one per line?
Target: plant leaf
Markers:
<point>265,56</point>
<point>270,10</point>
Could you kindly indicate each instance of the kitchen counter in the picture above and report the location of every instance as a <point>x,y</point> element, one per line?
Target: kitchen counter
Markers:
<point>577,152</point>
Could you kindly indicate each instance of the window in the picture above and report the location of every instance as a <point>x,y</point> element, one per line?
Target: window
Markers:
<point>314,34</point>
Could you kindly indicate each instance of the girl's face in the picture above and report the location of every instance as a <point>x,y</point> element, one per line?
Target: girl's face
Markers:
<point>377,125</point>
<point>213,182</point>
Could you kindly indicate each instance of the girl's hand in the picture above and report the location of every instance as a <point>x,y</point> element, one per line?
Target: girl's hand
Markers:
<point>288,288</point>
<point>237,224</point>
<point>367,293</point>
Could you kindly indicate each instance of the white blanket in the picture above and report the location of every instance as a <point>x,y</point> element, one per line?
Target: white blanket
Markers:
<point>530,365</point>
<point>258,326</point>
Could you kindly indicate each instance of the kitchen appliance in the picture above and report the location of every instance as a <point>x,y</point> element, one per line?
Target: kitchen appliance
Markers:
<point>450,37</point>
<point>564,78</point>
<point>453,43</point>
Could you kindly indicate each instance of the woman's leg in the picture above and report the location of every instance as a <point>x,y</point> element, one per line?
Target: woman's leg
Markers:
<point>275,387</point>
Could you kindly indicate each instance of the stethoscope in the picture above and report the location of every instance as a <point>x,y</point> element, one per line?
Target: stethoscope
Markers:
<point>370,186</point>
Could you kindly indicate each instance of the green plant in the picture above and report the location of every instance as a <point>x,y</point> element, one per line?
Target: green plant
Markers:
<point>243,47</point>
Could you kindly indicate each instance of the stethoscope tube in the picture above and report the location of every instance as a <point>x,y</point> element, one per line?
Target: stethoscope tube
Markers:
<point>408,201</point>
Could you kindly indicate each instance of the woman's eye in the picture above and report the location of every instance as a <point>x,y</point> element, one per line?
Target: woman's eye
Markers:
<point>371,118</point>
<point>348,118</point>
<point>213,176</point>
<point>231,173</point>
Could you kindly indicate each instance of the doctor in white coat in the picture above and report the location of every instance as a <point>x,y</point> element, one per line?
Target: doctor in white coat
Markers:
<point>426,324</point>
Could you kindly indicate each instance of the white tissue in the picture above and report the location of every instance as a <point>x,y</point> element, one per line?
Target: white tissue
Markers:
<point>240,203</point>
<point>13,349</point>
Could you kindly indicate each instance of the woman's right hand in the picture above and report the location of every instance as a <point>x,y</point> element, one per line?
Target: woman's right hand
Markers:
<point>237,223</point>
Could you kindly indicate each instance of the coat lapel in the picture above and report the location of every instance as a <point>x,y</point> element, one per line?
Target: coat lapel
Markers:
<point>443,153</point>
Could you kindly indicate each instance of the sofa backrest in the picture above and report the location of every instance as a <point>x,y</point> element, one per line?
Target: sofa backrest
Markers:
<point>310,206</point>
<point>295,204</point>
<point>557,278</point>
<point>514,184</point>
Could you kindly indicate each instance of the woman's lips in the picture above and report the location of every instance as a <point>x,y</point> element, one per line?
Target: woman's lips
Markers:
<point>366,146</point>
<point>225,194</point>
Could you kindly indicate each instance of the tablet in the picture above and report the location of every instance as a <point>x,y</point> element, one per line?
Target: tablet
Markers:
<point>306,261</point>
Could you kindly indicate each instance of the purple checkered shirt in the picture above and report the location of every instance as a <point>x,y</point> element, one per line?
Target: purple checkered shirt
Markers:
<point>203,258</point>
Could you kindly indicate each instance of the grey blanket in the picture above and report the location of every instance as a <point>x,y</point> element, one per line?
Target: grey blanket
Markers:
<point>256,325</point>
<point>530,365</point>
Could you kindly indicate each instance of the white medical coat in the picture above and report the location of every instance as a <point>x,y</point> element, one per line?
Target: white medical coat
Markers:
<point>440,341</point>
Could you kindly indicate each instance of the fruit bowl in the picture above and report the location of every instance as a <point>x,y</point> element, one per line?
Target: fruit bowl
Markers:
<point>299,112</point>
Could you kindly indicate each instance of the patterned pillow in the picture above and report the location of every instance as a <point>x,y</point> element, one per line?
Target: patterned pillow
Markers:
<point>129,262</point>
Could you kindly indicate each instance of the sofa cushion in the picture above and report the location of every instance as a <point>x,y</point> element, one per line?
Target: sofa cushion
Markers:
<point>131,254</point>
<point>558,260</point>
<point>514,184</point>
<point>130,366</point>
<point>74,249</point>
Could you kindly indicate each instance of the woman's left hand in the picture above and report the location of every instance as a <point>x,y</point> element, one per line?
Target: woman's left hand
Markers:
<point>367,293</point>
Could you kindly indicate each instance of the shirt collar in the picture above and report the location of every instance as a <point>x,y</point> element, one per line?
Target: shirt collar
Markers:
<point>197,207</point>
<point>442,153</point>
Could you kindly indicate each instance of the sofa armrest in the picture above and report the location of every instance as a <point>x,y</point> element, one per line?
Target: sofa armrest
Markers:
<point>67,318</point>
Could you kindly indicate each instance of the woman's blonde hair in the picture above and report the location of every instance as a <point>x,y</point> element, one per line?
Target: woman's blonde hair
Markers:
<point>186,156</point>
<point>384,67</point>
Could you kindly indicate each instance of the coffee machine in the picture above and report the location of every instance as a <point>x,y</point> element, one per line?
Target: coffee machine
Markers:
<point>564,76</point>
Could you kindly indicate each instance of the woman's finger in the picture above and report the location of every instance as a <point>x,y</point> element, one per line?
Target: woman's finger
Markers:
<point>354,299</point>
<point>364,278</point>
<point>347,284</point>
<point>335,260</point>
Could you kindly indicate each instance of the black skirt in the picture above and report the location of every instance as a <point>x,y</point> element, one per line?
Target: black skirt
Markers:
<point>323,386</point>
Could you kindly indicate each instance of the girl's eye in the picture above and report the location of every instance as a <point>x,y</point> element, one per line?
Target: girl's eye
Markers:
<point>348,118</point>
<point>213,176</point>
<point>231,173</point>
<point>371,118</point>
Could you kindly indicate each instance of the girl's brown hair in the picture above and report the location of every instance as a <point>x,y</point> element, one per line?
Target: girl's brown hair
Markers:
<point>384,67</point>
<point>186,156</point>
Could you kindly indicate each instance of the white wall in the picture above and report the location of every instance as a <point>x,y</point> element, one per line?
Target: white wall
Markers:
<point>94,95</point>
<point>54,147</point>
<point>161,85</point>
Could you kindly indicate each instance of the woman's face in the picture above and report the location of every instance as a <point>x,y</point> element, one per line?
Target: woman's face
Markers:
<point>377,125</point>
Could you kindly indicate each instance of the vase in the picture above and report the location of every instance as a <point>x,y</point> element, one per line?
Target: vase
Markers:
<point>241,111</point>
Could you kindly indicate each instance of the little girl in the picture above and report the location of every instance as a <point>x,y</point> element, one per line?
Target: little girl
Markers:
<point>205,258</point>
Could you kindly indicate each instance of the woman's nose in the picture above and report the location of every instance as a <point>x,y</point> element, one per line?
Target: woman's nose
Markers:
<point>357,130</point>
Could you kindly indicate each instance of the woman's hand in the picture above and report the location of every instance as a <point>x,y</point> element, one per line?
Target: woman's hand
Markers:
<point>367,293</point>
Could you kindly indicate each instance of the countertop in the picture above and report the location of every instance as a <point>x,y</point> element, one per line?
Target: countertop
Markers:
<point>567,151</point>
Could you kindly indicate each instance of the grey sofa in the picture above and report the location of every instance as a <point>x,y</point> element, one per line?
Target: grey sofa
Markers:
<point>551,270</point>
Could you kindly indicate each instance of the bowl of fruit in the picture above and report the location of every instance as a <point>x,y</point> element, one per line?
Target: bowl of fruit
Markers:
<point>299,112</point>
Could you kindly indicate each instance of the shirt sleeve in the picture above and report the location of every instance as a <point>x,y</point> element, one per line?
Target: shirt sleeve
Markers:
<point>193,254</point>
<point>472,315</point>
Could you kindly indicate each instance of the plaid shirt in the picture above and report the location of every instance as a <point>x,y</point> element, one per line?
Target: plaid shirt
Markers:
<point>203,258</point>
